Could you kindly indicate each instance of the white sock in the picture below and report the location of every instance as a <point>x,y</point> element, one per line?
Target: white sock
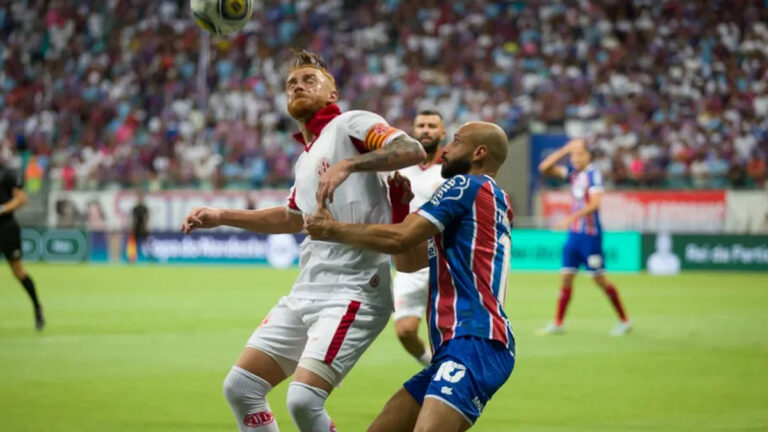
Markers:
<point>246,394</point>
<point>425,358</point>
<point>307,407</point>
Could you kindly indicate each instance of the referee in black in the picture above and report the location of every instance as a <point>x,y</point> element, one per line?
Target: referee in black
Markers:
<point>12,197</point>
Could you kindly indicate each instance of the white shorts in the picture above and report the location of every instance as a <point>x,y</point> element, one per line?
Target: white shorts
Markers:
<point>334,331</point>
<point>411,293</point>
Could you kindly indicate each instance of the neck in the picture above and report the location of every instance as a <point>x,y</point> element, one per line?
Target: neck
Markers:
<point>482,171</point>
<point>432,157</point>
<point>308,137</point>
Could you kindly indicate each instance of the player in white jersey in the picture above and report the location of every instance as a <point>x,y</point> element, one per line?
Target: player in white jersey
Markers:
<point>340,301</point>
<point>411,289</point>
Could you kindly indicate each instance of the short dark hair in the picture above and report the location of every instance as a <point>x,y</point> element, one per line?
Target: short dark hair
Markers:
<point>303,58</point>
<point>429,112</point>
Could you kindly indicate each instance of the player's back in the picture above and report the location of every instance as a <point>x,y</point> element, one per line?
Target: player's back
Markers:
<point>469,260</point>
<point>583,183</point>
<point>335,269</point>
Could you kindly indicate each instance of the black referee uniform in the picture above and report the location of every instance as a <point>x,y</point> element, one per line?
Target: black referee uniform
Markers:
<point>10,233</point>
<point>11,184</point>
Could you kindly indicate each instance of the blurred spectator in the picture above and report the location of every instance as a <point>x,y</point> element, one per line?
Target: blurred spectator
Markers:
<point>677,173</point>
<point>700,171</point>
<point>756,169</point>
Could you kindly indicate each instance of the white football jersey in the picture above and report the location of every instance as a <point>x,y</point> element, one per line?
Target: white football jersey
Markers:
<point>334,269</point>
<point>424,183</point>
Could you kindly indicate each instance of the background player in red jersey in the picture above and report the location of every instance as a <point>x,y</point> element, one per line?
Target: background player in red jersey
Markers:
<point>585,234</point>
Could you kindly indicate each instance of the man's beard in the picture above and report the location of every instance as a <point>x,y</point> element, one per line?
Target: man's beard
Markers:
<point>303,109</point>
<point>455,167</point>
<point>430,146</point>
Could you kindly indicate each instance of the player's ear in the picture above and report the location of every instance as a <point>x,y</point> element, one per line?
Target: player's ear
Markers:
<point>333,97</point>
<point>480,153</point>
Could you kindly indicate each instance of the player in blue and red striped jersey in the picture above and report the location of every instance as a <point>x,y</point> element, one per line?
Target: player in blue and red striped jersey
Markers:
<point>585,234</point>
<point>468,223</point>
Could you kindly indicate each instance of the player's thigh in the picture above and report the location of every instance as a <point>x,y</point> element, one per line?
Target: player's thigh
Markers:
<point>340,331</point>
<point>281,336</point>
<point>592,251</point>
<point>571,259</point>
<point>398,415</point>
<point>467,372</point>
<point>263,365</point>
<point>437,416</point>
<point>411,291</point>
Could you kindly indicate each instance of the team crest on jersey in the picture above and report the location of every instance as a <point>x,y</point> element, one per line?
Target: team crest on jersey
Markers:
<point>323,165</point>
<point>374,282</point>
<point>380,129</point>
<point>452,189</point>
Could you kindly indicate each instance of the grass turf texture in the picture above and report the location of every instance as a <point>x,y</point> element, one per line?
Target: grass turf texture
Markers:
<point>146,348</point>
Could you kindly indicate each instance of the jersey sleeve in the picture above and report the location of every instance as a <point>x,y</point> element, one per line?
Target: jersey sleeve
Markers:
<point>595,181</point>
<point>369,131</point>
<point>450,201</point>
<point>290,202</point>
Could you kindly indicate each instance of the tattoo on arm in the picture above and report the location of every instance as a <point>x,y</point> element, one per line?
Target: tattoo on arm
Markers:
<point>403,151</point>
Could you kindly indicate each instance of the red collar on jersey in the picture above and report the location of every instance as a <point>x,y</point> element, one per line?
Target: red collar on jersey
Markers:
<point>318,121</point>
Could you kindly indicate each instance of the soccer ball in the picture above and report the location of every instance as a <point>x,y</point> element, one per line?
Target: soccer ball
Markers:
<point>222,17</point>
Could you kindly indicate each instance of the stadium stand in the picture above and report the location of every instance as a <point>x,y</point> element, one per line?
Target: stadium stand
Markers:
<point>126,93</point>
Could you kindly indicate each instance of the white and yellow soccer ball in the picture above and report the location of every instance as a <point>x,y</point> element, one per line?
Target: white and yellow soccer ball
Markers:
<point>222,17</point>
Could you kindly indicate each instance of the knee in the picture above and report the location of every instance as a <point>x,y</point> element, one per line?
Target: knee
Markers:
<point>304,401</point>
<point>242,386</point>
<point>407,329</point>
<point>19,274</point>
<point>232,391</point>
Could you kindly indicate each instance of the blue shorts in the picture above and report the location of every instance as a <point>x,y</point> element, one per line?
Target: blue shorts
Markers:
<point>586,250</point>
<point>465,373</point>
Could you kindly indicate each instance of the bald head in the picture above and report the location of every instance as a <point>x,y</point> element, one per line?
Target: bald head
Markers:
<point>492,137</point>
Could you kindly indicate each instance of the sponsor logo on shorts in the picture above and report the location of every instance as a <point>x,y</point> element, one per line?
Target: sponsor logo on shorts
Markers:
<point>451,372</point>
<point>479,405</point>
<point>595,261</point>
<point>16,254</point>
<point>374,281</point>
<point>446,390</point>
<point>258,419</point>
<point>265,321</point>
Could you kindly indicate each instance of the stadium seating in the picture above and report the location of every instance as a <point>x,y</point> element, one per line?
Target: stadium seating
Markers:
<point>123,93</point>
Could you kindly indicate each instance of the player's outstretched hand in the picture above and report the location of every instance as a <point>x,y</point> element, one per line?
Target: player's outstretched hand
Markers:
<point>318,226</point>
<point>201,217</point>
<point>330,180</point>
<point>399,189</point>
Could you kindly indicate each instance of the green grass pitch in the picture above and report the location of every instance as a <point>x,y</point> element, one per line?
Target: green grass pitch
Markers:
<point>146,348</point>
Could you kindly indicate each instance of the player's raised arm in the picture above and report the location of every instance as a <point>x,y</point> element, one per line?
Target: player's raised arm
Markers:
<point>549,166</point>
<point>384,149</point>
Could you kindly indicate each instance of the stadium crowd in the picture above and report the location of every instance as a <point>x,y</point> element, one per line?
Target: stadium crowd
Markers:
<point>124,93</point>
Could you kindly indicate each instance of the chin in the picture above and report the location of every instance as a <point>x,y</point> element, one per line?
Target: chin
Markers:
<point>303,109</point>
